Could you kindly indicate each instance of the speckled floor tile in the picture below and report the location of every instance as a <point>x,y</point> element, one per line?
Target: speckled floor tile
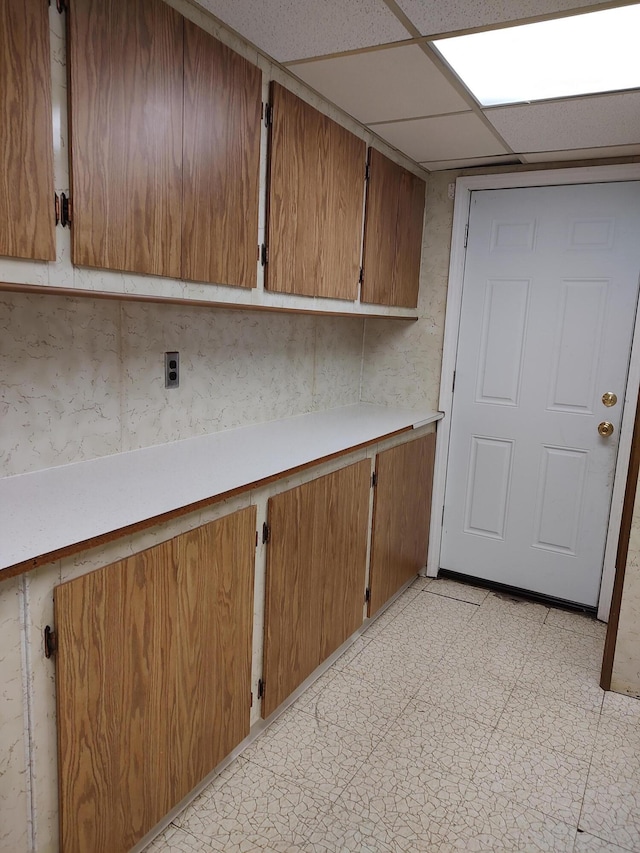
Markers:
<point>611,808</point>
<point>586,843</point>
<point>564,681</point>
<point>352,703</point>
<point>176,840</point>
<point>504,605</point>
<point>537,778</point>
<point>426,735</point>
<point>623,708</point>
<point>550,723</point>
<point>569,647</point>
<point>459,591</point>
<point>500,658</point>
<point>466,691</point>
<point>352,652</point>
<point>252,806</point>
<point>414,803</point>
<point>341,829</point>
<point>617,748</point>
<point>401,667</point>
<point>421,583</point>
<point>489,823</point>
<point>580,623</point>
<point>311,752</point>
<point>381,622</point>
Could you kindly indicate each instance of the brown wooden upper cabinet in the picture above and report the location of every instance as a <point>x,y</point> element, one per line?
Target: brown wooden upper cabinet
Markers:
<point>222,114</point>
<point>392,234</point>
<point>165,145</point>
<point>315,200</point>
<point>27,229</point>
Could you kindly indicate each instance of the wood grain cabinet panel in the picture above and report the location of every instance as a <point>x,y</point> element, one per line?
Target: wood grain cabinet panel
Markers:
<point>222,121</point>
<point>401,517</point>
<point>126,97</point>
<point>316,562</point>
<point>316,190</point>
<point>153,675</point>
<point>27,229</point>
<point>392,234</point>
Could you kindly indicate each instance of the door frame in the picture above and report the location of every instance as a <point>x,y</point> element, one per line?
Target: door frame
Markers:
<point>462,204</point>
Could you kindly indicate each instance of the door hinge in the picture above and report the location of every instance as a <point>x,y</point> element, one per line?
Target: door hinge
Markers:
<point>264,254</point>
<point>50,642</point>
<point>367,595</point>
<point>268,115</point>
<point>466,235</point>
<point>260,688</point>
<point>266,533</point>
<point>374,479</point>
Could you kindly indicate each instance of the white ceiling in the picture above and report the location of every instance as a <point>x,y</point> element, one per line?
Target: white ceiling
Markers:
<point>371,59</point>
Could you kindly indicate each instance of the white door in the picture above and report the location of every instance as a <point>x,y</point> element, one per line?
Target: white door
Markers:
<point>548,311</point>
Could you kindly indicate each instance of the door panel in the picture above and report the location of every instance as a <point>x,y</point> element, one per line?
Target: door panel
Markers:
<point>548,310</point>
<point>222,107</point>
<point>401,516</point>
<point>153,680</point>
<point>316,191</point>
<point>26,135</point>
<point>126,104</point>
<point>316,563</point>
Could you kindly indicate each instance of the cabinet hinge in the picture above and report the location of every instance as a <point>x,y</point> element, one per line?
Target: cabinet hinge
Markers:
<point>268,115</point>
<point>251,700</point>
<point>256,538</point>
<point>266,533</point>
<point>367,172</point>
<point>367,595</point>
<point>61,5</point>
<point>374,479</point>
<point>264,254</point>
<point>63,210</point>
<point>361,276</point>
<point>56,207</point>
<point>50,642</point>
<point>453,383</point>
<point>260,688</point>
<point>466,234</point>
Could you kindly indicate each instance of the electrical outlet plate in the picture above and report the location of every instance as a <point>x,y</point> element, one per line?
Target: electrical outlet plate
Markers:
<point>171,369</point>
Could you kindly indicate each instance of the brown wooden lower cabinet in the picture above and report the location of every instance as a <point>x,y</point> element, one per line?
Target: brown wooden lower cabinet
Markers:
<point>316,566</point>
<point>401,517</point>
<point>153,675</point>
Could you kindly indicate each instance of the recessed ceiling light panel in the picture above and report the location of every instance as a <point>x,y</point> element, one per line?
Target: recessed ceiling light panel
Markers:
<point>578,55</point>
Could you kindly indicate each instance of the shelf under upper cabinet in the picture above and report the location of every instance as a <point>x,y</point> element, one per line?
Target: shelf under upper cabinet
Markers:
<point>55,509</point>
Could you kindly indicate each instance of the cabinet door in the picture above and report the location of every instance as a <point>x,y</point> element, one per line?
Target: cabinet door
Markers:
<point>222,110</point>
<point>401,517</point>
<point>26,134</point>
<point>316,564</point>
<point>392,234</point>
<point>126,80</point>
<point>316,187</point>
<point>153,680</point>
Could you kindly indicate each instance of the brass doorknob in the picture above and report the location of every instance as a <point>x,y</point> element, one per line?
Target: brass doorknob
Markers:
<point>605,429</point>
<point>609,399</point>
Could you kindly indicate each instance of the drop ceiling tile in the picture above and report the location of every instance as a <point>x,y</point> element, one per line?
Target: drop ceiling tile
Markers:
<point>470,162</point>
<point>433,16</point>
<point>383,85</point>
<point>452,137</point>
<point>589,122</point>
<point>582,154</point>
<point>295,29</point>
